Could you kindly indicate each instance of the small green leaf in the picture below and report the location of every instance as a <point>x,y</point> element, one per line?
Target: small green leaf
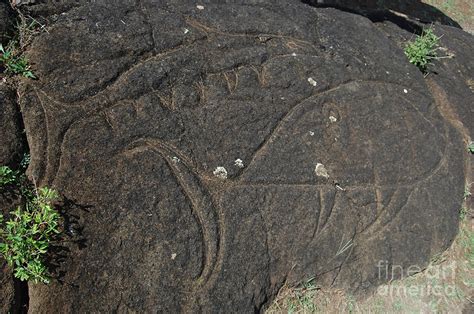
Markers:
<point>27,234</point>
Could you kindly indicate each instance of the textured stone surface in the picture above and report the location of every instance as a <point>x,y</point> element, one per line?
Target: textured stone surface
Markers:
<point>7,292</point>
<point>451,81</point>
<point>345,158</point>
<point>6,21</point>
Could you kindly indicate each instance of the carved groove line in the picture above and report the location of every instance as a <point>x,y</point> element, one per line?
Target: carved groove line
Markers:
<point>207,29</point>
<point>47,149</point>
<point>279,125</point>
<point>202,203</point>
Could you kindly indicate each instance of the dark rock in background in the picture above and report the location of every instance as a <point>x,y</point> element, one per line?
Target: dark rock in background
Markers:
<point>6,21</point>
<point>222,150</point>
<point>415,9</point>
<point>12,141</point>
<point>46,8</point>
<point>7,291</point>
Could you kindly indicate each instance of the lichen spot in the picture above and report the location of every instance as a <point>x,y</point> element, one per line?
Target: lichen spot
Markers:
<point>239,163</point>
<point>312,81</point>
<point>220,172</point>
<point>321,171</point>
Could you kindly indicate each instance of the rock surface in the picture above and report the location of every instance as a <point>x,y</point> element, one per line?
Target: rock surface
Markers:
<point>6,22</point>
<point>415,9</point>
<point>7,291</point>
<point>337,155</point>
<point>12,143</point>
<point>452,84</point>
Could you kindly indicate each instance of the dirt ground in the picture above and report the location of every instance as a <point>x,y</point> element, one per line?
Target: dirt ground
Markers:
<point>446,286</point>
<point>462,11</point>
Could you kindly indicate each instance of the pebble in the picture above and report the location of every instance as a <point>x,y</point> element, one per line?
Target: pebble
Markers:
<point>312,81</point>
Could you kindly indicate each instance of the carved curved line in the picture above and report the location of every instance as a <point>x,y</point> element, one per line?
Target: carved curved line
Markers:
<point>207,29</point>
<point>201,202</point>
<point>144,57</point>
<point>274,130</point>
<point>124,72</point>
<point>46,150</point>
<point>379,226</point>
<point>282,121</point>
<point>327,212</point>
<point>279,125</point>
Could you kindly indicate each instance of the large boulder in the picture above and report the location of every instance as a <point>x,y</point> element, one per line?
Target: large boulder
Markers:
<point>214,152</point>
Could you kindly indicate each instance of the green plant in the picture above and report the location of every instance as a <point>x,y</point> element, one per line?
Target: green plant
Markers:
<point>7,176</point>
<point>26,236</point>
<point>397,305</point>
<point>25,161</point>
<point>470,148</point>
<point>423,49</point>
<point>11,59</point>
<point>350,304</point>
<point>14,63</point>
<point>303,297</point>
<point>467,191</point>
<point>466,239</point>
<point>448,5</point>
<point>463,213</point>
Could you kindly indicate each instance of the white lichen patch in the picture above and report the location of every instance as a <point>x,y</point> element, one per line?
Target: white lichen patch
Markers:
<point>312,81</point>
<point>321,171</point>
<point>173,256</point>
<point>332,119</point>
<point>311,133</point>
<point>200,7</point>
<point>239,163</point>
<point>220,172</point>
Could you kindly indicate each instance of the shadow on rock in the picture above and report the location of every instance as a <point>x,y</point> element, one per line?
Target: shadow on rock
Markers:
<point>71,237</point>
<point>392,10</point>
